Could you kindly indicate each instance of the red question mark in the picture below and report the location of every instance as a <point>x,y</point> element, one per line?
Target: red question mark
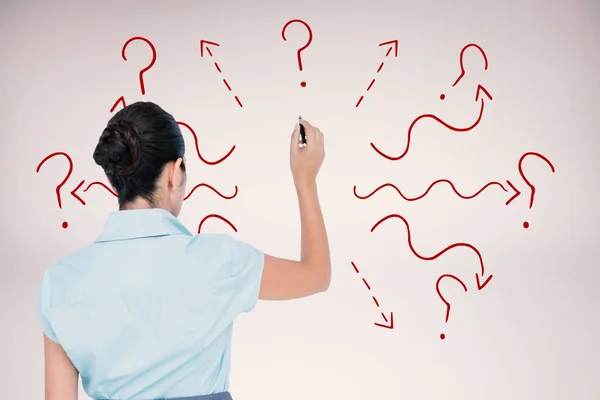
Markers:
<point>437,288</point>
<point>531,153</point>
<point>310,36</point>
<point>65,224</point>
<point>151,62</point>
<point>462,67</point>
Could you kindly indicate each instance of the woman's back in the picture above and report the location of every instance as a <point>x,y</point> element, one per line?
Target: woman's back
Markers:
<point>146,311</point>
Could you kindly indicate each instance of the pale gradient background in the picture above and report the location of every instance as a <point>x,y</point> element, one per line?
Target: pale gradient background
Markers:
<point>532,333</point>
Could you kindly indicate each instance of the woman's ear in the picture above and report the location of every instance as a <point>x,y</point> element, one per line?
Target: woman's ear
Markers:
<point>177,174</point>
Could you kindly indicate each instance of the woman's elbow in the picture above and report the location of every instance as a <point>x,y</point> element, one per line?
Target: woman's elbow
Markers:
<point>325,280</point>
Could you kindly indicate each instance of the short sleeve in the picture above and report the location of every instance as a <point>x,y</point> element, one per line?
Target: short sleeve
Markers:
<point>246,268</point>
<point>43,305</point>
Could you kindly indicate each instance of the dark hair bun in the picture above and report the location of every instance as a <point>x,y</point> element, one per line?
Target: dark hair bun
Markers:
<point>118,150</point>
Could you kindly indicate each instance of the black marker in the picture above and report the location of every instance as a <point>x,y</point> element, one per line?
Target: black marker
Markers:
<point>302,134</point>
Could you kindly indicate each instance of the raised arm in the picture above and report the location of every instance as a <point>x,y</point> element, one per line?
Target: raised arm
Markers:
<point>285,279</point>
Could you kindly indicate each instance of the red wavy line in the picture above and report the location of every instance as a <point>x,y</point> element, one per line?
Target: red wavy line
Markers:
<point>101,184</point>
<point>213,189</point>
<point>428,189</point>
<point>412,249</point>
<point>60,185</point>
<point>209,216</point>
<point>198,148</point>
<point>532,153</point>
<point>435,118</point>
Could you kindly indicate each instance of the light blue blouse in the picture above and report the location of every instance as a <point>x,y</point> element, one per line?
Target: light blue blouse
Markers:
<point>147,310</point>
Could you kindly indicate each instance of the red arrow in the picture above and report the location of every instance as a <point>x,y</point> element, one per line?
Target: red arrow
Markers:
<point>437,119</point>
<point>514,196</point>
<point>389,324</point>
<point>204,46</point>
<point>100,184</point>
<point>485,282</point>
<point>395,43</point>
<point>440,253</point>
<point>482,89</point>
<point>119,100</point>
<point>394,46</point>
<point>74,192</point>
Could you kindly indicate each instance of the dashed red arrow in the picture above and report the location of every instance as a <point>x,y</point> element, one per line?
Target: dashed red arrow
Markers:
<point>389,323</point>
<point>204,47</point>
<point>393,46</point>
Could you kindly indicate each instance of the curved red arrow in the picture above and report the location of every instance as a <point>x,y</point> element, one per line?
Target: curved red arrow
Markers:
<point>100,184</point>
<point>467,245</point>
<point>437,119</point>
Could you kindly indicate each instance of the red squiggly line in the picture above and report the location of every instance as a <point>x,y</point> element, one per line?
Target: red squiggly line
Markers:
<point>143,88</point>
<point>100,184</point>
<point>60,185</point>
<point>437,289</point>
<point>218,217</point>
<point>462,68</point>
<point>213,189</point>
<point>412,249</point>
<point>198,148</point>
<point>532,153</point>
<point>428,189</point>
<point>435,118</point>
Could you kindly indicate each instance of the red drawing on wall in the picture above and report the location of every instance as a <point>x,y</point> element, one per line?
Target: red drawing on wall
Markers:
<point>393,45</point>
<point>389,322</point>
<point>217,216</point>
<point>304,47</point>
<point>145,69</point>
<point>446,302</point>
<point>204,160</point>
<point>419,197</point>
<point>121,100</point>
<point>204,47</point>
<point>65,224</point>
<point>462,66</point>
<point>480,89</point>
<point>213,189</point>
<point>480,276</point>
<point>527,182</point>
<point>512,189</point>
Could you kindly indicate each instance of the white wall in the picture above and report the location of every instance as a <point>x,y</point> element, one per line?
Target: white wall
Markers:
<point>531,333</point>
